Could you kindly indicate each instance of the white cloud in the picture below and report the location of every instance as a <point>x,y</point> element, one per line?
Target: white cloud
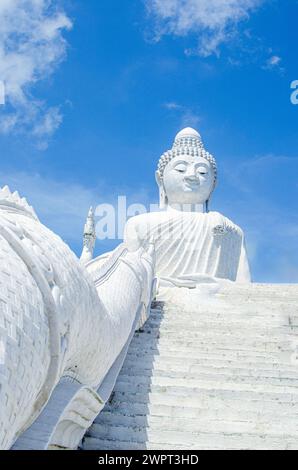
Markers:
<point>213,21</point>
<point>188,117</point>
<point>274,60</point>
<point>172,106</point>
<point>47,126</point>
<point>274,63</point>
<point>31,47</point>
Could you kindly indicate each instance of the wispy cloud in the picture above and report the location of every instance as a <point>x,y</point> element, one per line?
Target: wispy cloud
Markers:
<point>188,117</point>
<point>31,47</point>
<point>214,22</point>
<point>274,62</point>
<point>172,106</point>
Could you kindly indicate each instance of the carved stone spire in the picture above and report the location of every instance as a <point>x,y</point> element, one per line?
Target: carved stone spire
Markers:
<point>13,201</point>
<point>89,237</point>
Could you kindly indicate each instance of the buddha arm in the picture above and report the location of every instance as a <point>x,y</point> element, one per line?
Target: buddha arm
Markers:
<point>243,273</point>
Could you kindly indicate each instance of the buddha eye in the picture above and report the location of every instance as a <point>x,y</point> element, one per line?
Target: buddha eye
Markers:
<point>202,170</point>
<point>181,168</point>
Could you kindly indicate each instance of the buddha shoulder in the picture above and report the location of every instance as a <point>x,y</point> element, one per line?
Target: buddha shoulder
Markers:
<point>138,229</point>
<point>137,224</point>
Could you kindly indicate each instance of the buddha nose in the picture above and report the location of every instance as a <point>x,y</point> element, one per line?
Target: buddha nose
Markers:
<point>191,175</point>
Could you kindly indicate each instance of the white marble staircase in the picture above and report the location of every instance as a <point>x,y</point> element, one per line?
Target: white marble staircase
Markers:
<point>222,375</point>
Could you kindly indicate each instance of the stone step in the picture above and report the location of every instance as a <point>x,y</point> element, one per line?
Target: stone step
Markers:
<point>224,440</point>
<point>222,336</point>
<point>94,443</point>
<point>215,399</point>
<point>205,424</point>
<point>228,357</point>
<point>223,332</point>
<point>269,410</point>
<point>199,351</point>
<point>145,364</point>
<point>255,310</point>
<point>211,345</point>
<point>219,341</point>
<point>221,328</point>
<point>217,325</point>
<point>218,376</point>
<point>255,296</point>
<point>194,371</point>
<point>285,345</point>
<point>225,319</point>
<point>152,352</point>
<point>185,388</point>
<point>208,442</point>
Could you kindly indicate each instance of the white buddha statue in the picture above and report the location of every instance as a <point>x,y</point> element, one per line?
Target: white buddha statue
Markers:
<point>193,246</point>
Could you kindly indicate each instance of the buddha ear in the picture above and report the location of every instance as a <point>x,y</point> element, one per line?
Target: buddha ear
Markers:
<point>162,193</point>
<point>158,179</point>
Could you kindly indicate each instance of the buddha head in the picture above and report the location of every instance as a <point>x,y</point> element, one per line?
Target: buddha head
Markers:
<point>186,174</point>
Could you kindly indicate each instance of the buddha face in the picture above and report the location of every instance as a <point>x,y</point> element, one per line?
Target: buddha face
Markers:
<point>188,180</point>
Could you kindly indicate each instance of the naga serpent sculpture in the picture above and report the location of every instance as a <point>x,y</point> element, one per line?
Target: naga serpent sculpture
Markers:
<point>62,328</point>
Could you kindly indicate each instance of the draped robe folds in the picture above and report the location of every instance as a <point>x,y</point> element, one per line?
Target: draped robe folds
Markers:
<point>191,247</point>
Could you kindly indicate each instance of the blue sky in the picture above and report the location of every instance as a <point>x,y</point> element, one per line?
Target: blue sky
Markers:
<point>97,93</point>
